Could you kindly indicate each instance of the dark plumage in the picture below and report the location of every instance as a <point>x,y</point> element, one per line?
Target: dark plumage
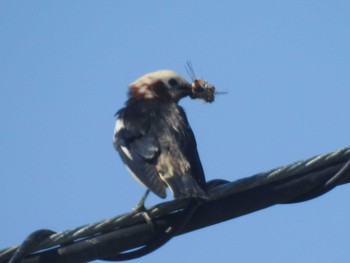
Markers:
<point>154,138</point>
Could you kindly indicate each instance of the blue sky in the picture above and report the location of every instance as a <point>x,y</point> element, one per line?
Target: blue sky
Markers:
<point>64,71</point>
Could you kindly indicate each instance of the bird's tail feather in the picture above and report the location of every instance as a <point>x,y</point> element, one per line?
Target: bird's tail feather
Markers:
<point>185,186</point>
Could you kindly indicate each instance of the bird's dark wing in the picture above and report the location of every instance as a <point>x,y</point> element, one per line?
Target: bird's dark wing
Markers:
<point>178,164</point>
<point>139,149</point>
<point>189,149</point>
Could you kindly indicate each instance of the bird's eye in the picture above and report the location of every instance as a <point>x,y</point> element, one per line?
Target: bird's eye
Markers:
<point>172,82</point>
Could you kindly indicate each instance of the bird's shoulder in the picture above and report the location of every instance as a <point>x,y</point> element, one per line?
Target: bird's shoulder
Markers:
<point>133,135</point>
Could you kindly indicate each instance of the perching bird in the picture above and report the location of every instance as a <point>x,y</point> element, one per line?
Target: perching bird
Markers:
<point>154,138</point>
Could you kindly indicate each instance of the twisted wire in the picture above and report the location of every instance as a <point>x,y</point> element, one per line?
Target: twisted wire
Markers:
<point>124,220</point>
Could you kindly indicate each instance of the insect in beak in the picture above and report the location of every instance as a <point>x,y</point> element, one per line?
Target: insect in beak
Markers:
<point>201,89</point>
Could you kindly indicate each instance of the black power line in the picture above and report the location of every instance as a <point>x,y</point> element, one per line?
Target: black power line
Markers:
<point>111,239</point>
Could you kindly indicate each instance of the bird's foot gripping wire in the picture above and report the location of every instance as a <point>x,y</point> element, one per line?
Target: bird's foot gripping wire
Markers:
<point>160,238</point>
<point>140,208</point>
<point>141,205</point>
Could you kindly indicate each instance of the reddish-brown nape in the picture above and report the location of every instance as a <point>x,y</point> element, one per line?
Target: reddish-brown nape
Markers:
<point>149,90</point>
<point>141,88</point>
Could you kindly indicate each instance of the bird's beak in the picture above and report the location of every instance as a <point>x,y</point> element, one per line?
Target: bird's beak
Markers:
<point>182,91</point>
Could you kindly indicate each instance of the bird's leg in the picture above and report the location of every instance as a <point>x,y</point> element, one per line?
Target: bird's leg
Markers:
<point>141,205</point>
<point>140,208</point>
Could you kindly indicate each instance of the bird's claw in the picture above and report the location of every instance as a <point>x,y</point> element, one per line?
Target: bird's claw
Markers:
<point>140,208</point>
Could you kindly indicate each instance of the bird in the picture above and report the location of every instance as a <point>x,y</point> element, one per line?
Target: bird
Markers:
<point>154,139</point>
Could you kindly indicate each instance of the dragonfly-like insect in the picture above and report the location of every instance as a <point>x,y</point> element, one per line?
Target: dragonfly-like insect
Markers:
<point>201,89</point>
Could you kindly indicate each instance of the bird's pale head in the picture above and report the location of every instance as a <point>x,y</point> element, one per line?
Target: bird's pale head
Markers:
<point>162,84</point>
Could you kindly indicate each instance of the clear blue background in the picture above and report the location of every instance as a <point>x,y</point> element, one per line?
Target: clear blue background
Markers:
<point>64,71</point>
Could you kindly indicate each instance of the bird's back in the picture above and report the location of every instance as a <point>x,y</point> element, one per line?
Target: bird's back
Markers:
<point>157,145</point>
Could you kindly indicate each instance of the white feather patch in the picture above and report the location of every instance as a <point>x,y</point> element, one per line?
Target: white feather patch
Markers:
<point>126,152</point>
<point>119,124</point>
